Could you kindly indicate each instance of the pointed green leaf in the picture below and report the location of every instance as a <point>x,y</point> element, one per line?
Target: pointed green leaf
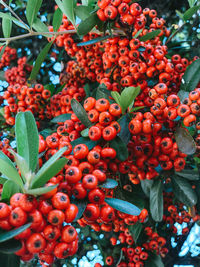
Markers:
<point>49,169</point>
<point>11,260</point>
<point>190,12</point>
<point>183,191</point>
<point>88,24</point>
<point>39,61</point>
<point>81,204</point>
<point>8,169</point>
<point>179,14</point>
<point>135,231</point>
<point>146,186</point>
<point>150,35</point>
<point>83,11</point>
<point>109,183</point>
<point>8,235</point>
<point>9,189</point>
<point>191,76</point>
<point>185,141</point>
<point>10,246</point>
<point>123,206</point>
<point>156,201</point>
<point>120,147</point>
<point>138,33</point>
<point>154,261</point>
<point>6,27</point>
<point>32,9</point>
<point>116,97</point>
<point>57,19</point>
<point>39,26</point>
<point>67,8</point>
<point>85,132</point>
<point>61,118</point>
<point>84,140</point>
<point>16,21</point>
<point>182,95</point>
<point>80,112</point>
<point>189,174</point>
<point>41,190</point>
<point>124,134</point>
<point>27,138</point>
<point>128,96</point>
<point>192,2</point>
<point>94,41</point>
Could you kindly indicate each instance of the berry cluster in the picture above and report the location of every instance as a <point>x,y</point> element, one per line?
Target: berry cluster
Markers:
<point>8,56</point>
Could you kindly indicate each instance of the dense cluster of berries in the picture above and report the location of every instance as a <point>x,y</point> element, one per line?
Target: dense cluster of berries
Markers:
<point>22,98</point>
<point>8,56</point>
<point>19,73</point>
<point>47,236</point>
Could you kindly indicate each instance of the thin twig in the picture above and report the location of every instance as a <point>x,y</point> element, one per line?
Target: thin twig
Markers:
<point>30,34</point>
<point>175,33</point>
<point>14,14</point>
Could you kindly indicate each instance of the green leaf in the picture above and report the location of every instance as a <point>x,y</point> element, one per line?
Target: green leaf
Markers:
<point>183,191</point>
<point>94,41</point>
<point>6,27</point>
<point>120,147</point>
<point>81,204</point>
<point>80,112</point>
<point>182,95</point>
<point>185,141</point>
<point>84,140</point>
<point>16,21</point>
<point>150,35</point>
<point>39,61</point>
<point>3,180</point>
<point>9,189</point>
<point>57,19</point>
<point>116,97</point>
<point>49,169</point>
<point>138,33</point>
<point>32,9</point>
<point>109,183</point>
<point>154,261</point>
<point>191,76</point>
<point>27,138</point>
<point>10,246</point>
<point>135,231</point>
<point>1,54</point>
<point>11,260</point>
<point>41,190</point>
<point>123,206</point>
<point>85,132</point>
<point>179,14</point>
<point>88,24</point>
<point>156,201</point>
<point>124,134</point>
<point>190,12</point>
<point>189,174</point>
<point>128,96</point>
<point>39,26</point>
<point>8,235</point>
<point>83,11</point>
<point>67,8</point>
<point>46,132</point>
<point>8,169</point>
<point>102,92</point>
<point>192,2</point>
<point>61,118</point>
<point>146,186</point>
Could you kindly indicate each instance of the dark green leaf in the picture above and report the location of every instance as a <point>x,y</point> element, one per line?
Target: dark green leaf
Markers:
<point>154,261</point>
<point>182,95</point>
<point>88,24</point>
<point>39,61</point>
<point>46,132</point>
<point>124,134</point>
<point>27,138</point>
<point>146,186</point>
<point>189,174</point>
<point>8,169</point>
<point>102,92</point>
<point>67,8</point>
<point>191,76</point>
<point>156,201</point>
<point>61,118</point>
<point>11,260</point>
<point>41,190</point>
<point>87,90</point>
<point>190,12</point>
<point>183,191</point>
<point>85,132</point>
<point>80,112</point>
<point>150,35</point>
<point>83,12</point>
<point>120,147</point>
<point>6,27</point>
<point>109,183</point>
<point>135,231</point>
<point>10,246</point>
<point>123,206</point>
<point>81,204</point>
<point>84,140</point>
<point>52,167</point>
<point>9,189</point>
<point>185,141</point>
<point>8,235</point>
<point>128,96</point>
<point>32,9</point>
<point>57,19</point>
<point>94,41</point>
